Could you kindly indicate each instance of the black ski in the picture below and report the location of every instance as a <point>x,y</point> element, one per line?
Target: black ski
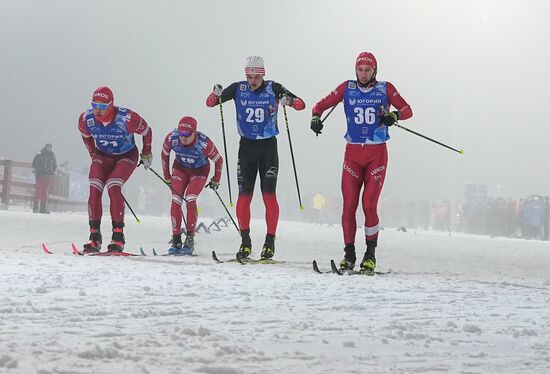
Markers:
<point>338,271</point>
<point>246,261</point>
<point>316,269</point>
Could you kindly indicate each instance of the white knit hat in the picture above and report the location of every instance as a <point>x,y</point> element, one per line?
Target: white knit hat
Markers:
<point>254,65</point>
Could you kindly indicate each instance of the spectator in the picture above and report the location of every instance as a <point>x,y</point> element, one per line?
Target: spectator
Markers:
<point>44,166</point>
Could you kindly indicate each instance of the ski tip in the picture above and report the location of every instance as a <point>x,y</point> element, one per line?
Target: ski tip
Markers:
<point>75,250</point>
<point>45,249</point>
<point>142,251</point>
<point>315,267</point>
<point>155,252</point>
<point>334,268</point>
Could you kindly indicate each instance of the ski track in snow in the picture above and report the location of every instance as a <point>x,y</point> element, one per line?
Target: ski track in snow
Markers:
<point>457,304</point>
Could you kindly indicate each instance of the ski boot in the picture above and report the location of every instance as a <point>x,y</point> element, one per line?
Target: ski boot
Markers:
<point>189,245</point>
<point>175,249</point>
<point>117,239</point>
<point>348,262</point>
<point>95,240</point>
<point>269,247</point>
<point>246,245</point>
<point>369,261</point>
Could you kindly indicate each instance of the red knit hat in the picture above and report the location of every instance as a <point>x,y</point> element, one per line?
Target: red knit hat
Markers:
<point>366,58</point>
<point>103,94</point>
<point>187,125</point>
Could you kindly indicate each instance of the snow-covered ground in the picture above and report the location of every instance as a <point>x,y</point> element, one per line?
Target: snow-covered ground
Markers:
<point>457,304</point>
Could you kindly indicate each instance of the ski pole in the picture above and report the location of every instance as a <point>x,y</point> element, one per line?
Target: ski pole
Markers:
<point>225,152</point>
<point>227,211</point>
<point>131,210</point>
<point>173,191</point>
<point>328,114</point>
<point>461,151</point>
<point>292,156</point>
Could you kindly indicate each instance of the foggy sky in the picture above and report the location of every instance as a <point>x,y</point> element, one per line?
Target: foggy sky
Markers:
<point>474,72</point>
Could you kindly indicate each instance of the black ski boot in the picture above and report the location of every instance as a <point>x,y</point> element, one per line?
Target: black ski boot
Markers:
<point>348,263</point>
<point>269,247</point>
<point>175,249</point>
<point>117,239</point>
<point>189,245</point>
<point>369,261</point>
<point>246,245</point>
<point>94,245</point>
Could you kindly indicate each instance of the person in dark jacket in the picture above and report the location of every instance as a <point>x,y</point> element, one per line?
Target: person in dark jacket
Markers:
<point>44,166</point>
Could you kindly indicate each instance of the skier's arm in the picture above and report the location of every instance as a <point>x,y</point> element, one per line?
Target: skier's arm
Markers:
<point>227,94</point>
<point>86,136</point>
<point>395,99</point>
<point>280,90</point>
<point>212,153</point>
<point>137,125</point>
<point>165,156</point>
<point>331,100</point>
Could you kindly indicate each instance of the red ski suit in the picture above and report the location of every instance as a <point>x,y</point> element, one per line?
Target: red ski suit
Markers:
<point>188,182</point>
<point>112,171</point>
<point>364,165</point>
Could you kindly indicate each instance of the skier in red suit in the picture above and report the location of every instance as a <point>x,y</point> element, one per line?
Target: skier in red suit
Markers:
<point>191,167</point>
<point>108,133</point>
<point>367,104</point>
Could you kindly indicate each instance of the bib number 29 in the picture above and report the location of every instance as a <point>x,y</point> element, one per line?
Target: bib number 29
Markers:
<point>255,115</point>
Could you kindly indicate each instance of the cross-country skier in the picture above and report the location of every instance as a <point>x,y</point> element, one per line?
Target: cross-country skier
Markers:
<point>367,105</point>
<point>108,133</point>
<point>190,169</point>
<point>256,103</point>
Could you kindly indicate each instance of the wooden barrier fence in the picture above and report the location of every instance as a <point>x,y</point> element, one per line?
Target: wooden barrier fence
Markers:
<point>16,187</point>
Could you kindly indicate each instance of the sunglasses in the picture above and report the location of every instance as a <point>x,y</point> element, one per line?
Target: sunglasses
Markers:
<point>185,134</point>
<point>101,106</point>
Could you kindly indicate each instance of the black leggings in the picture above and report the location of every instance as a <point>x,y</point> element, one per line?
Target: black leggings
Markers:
<point>257,155</point>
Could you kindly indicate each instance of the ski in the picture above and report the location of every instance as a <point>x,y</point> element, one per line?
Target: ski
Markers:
<point>102,254</point>
<point>180,254</point>
<point>252,261</point>
<point>142,252</point>
<point>246,261</point>
<point>45,249</point>
<point>369,273</point>
<point>316,269</point>
<point>215,258</point>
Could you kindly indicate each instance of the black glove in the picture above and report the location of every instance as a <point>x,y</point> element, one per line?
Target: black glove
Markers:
<point>316,125</point>
<point>213,184</point>
<point>390,118</point>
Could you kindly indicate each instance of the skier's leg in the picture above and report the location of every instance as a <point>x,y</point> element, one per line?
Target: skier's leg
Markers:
<point>247,169</point>
<point>197,181</point>
<point>124,167</point>
<point>100,168</point>
<point>352,181</point>
<point>179,183</point>
<point>269,170</point>
<point>373,181</point>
